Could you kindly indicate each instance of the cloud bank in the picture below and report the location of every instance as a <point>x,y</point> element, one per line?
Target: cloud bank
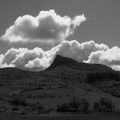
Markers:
<point>49,27</point>
<point>38,59</point>
<point>110,57</point>
<point>46,27</point>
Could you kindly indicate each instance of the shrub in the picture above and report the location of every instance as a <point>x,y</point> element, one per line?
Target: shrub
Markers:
<point>101,76</point>
<point>15,109</point>
<point>18,100</point>
<point>105,104</point>
<point>62,108</point>
<point>3,109</point>
<point>74,105</point>
<point>37,107</point>
<point>84,105</point>
<point>96,107</point>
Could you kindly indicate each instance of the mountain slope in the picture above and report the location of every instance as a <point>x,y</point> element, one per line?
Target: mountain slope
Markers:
<point>61,65</point>
<point>70,63</point>
<point>64,79</point>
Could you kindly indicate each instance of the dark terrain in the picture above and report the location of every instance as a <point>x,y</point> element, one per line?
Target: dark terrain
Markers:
<point>50,91</point>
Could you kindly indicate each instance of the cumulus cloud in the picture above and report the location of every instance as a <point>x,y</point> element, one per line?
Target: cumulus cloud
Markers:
<point>49,27</point>
<point>38,59</point>
<point>79,51</point>
<point>109,57</point>
<point>46,27</point>
<point>22,58</point>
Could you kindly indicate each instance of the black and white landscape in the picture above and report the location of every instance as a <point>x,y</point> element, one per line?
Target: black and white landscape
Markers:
<point>59,59</point>
<point>90,89</point>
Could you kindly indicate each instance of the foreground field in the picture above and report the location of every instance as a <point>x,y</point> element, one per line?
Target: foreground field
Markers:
<point>65,117</point>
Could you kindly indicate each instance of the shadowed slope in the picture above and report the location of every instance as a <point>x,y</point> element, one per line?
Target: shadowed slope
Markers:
<point>70,63</point>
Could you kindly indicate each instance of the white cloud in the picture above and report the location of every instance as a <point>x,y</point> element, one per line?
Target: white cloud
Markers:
<point>79,51</point>
<point>109,57</point>
<point>11,54</point>
<point>25,59</point>
<point>47,27</point>
<point>116,67</point>
<point>38,59</point>
<point>77,20</point>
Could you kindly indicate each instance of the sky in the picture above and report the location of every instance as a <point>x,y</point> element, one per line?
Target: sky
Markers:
<point>94,23</point>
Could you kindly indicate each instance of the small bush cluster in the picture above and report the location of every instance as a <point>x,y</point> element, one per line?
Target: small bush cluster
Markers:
<point>101,76</point>
<point>18,100</point>
<point>105,104</point>
<point>74,105</point>
<point>77,104</point>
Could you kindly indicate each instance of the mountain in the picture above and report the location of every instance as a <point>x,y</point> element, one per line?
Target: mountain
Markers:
<point>59,65</point>
<point>32,92</point>
<point>80,66</point>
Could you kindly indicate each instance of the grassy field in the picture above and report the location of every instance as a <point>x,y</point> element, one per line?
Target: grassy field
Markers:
<point>65,117</point>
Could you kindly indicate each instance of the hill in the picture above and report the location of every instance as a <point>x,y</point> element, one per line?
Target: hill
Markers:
<point>30,92</point>
<point>70,63</point>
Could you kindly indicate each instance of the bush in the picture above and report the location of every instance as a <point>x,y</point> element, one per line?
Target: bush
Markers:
<point>63,108</point>
<point>15,109</point>
<point>18,100</point>
<point>37,107</point>
<point>84,105</point>
<point>74,105</point>
<point>101,76</point>
<point>105,104</point>
<point>3,109</point>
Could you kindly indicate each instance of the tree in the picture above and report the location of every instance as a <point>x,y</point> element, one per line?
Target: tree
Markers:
<point>18,100</point>
<point>74,105</point>
<point>105,104</point>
